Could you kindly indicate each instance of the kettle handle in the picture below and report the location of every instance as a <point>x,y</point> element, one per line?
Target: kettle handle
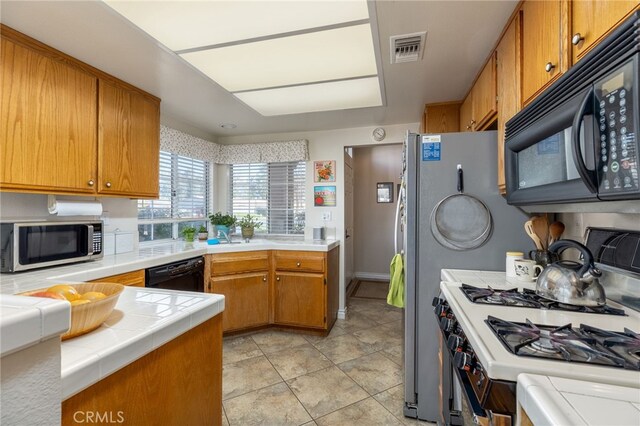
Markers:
<point>561,245</point>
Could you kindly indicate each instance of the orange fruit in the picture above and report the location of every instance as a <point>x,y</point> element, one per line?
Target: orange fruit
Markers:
<point>67,291</point>
<point>79,302</point>
<point>93,296</point>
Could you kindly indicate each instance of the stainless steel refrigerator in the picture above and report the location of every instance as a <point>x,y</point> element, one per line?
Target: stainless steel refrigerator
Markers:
<point>430,175</point>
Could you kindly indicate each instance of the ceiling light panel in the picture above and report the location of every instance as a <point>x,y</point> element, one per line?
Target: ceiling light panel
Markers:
<point>313,57</point>
<point>183,25</point>
<point>336,95</point>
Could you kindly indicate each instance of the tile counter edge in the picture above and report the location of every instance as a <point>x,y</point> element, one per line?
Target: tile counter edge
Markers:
<point>143,320</point>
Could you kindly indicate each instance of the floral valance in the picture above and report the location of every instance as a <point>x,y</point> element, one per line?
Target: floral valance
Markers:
<point>268,152</point>
<point>180,143</point>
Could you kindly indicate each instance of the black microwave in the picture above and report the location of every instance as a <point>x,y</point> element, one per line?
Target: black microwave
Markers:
<point>30,245</point>
<point>578,141</point>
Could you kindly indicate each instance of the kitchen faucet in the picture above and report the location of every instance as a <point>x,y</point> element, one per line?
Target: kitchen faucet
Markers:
<point>226,235</point>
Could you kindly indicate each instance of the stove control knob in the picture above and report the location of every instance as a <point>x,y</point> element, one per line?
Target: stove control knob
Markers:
<point>463,361</point>
<point>441,310</point>
<point>455,342</point>
<point>447,324</point>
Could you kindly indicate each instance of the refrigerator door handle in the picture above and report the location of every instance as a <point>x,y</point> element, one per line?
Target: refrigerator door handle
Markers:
<point>396,224</point>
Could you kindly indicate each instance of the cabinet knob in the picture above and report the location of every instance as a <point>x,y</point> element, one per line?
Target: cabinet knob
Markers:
<point>277,278</point>
<point>108,184</point>
<point>264,278</point>
<point>549,66</point>
<point>576,39</point>
<point>91,182</point>
<point>298,264</point>
<point>468,127</point>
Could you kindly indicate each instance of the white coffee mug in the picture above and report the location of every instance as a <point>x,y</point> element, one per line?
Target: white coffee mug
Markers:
<point>526,270</point>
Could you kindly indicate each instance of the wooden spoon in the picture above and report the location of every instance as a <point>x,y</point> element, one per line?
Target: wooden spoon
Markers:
<point>555,230</point>
<point>528,228</point>
<point>541,229</point>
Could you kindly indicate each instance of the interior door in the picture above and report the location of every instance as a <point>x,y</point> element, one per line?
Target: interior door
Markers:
<point>348,218</point>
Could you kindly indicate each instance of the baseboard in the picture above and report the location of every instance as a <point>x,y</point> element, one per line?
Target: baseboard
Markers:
<point>342,313</point>
<point>372,276</point>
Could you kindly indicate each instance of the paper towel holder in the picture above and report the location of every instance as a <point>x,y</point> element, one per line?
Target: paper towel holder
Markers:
<point>73,208</point>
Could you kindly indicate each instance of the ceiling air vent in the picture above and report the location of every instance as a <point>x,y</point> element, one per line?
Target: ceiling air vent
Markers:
<point>407,47</point>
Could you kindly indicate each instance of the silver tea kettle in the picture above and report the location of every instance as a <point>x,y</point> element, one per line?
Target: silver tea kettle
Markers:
<point>570,282</point>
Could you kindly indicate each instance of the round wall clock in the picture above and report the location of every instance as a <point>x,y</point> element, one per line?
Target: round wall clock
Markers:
<point>379,134</point>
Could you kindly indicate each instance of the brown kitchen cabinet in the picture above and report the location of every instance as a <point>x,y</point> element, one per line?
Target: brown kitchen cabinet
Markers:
<point>69,128</point>
<point>243,278</point>
<point>284,288</point>
<point>484,105</point>
<point>246,299</point>
<point>128,142</point>
<point>47,122</point>
<point>466,114</point>
<point>591,20</point>
<point>441,118</point>
<point>133,278</point>
<point>299,299</point>
<point>508,77</point>
<point>543,52</point>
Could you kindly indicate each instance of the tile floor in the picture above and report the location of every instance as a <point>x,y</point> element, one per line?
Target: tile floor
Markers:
<point>354,376</point>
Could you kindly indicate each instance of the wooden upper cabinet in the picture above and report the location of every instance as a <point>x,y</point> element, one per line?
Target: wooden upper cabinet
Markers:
<point>47,122</point>
<point>128,140</point>
<point>508,76</point>
<point>593,19</point>
<point>542,47</point>
<point>441,118</point>
<point>466,112</point>
<point>484,96</point>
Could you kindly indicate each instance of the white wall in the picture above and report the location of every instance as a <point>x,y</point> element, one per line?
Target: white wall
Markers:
<point>118,213</point>
<point>328,145</point>
<point>373,221</point>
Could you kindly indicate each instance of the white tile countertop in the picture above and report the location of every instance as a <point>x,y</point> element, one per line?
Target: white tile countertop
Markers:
<point>559,401</point>
<point>26,321</point>
<point>501,364</point>
<point>143,320</point>
<point>146,256</point>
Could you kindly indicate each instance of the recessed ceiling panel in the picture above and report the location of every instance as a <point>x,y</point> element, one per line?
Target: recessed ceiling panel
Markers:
<point>336,95</point>
<point>183,25</point>
<point>307,58</point>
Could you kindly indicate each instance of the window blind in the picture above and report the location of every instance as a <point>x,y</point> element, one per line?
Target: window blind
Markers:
<point>273,192</point>
<point>184,194</point>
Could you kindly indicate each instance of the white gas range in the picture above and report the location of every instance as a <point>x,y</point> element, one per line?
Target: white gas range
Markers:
<point>485,364</point>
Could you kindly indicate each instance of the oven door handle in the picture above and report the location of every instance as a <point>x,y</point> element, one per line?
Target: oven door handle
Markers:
<point>89,240</point>
<point>587,176</point>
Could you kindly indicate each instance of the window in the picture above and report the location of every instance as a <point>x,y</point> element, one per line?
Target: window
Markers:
<point>274,192</point>
<point>184,199</point>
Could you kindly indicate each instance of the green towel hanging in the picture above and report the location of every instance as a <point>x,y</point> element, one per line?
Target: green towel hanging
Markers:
<point>396,287</point>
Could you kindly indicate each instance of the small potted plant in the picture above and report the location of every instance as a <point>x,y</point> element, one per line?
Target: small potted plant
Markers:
<point>248,224</point>
<point>188,232</point>
<point>202,233</point>
<point>222,222</point>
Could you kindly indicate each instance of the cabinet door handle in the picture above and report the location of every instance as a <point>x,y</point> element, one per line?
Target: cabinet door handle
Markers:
<point>549,66</point>
<point>264,278</point>
<point>108,184</point>
<point>576,39</point>
<point>277,278</point>
<point>91,182</point>
<point>298,264</point>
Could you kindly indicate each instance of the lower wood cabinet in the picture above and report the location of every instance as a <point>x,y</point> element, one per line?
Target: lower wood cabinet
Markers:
<point>300,299</point>
<point>133,278</point>
<point>246,302</point>
<point>284,288</point>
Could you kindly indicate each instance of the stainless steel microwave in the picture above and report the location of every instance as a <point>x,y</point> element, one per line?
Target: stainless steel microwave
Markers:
<point>578,141</point>
<point>30,245</point>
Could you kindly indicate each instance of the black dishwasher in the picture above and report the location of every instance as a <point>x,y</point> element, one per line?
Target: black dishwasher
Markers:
<point>186,275</point>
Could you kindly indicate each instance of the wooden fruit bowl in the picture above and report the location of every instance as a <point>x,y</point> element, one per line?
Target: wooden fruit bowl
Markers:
<point>89,316</point>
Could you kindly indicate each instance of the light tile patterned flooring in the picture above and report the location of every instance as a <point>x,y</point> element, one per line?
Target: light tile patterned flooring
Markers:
<point>354,376</point>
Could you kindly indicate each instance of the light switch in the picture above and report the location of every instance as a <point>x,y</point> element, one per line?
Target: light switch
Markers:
<point>326,216</point>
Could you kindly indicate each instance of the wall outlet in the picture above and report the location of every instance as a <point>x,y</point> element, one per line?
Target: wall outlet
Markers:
<point>326,216</point>
<point>578,225</point>
<point>105,218</point>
